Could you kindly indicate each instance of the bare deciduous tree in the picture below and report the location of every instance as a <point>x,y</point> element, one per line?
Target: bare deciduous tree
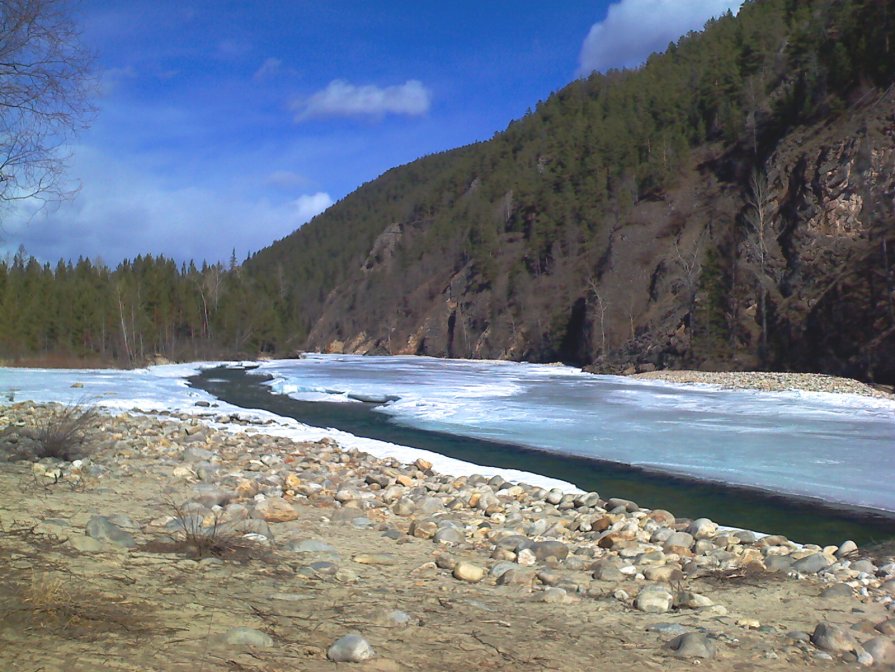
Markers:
<point>689,265</point>
<point>762,246</point>
<point>45,87</point>
<point>600,306</point>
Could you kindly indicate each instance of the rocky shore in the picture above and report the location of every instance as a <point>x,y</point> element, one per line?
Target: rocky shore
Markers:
<point>769,381</point>
<point>180,543</point>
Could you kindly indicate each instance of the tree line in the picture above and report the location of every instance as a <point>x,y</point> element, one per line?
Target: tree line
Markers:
<point>144,308</point>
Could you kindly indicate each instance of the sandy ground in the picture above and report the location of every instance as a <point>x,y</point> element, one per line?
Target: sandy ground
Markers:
<point>152,607</point>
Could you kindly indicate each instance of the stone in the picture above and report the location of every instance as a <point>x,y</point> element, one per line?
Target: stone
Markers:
<point>310,546</point>
<point>691,600</point>
<point>375,559</point>
<point>653,601</point>
<point>886,627</point>
<point>554,496</point>
<point>468,571</point>
<point>248,637</point>
<point>351,648</point>
<point>681,539</point>
<point>514,542</point>
<point>607,571</point>
<point>103,529</point>
<point>864,566</point>
<point>554,595</point>
<point>833,638</point>
<point>449,535</point>
<point>422,529</point>
<point>838,590</point>
<point>428,506</point>
<point>846,548</point>
<point>702,528</point>
<point>275,510</point>
<point>692,645</point>
<point>812,564</point>
<point>526,557</point>
<point>778,563</point>
<point>882,649</point>
<point>661,516</point>
<point>516,577</point>
<point>547,549</point>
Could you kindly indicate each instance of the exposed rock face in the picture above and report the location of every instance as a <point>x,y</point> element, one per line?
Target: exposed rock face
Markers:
<point>830,301</point>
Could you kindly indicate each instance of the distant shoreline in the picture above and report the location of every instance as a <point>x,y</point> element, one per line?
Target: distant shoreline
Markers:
<point>768,381</point>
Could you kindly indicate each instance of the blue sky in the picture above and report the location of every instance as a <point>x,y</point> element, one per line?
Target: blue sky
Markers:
<point>226,125</point>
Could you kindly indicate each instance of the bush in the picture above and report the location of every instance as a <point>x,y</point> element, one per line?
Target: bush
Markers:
<point>64,433</point>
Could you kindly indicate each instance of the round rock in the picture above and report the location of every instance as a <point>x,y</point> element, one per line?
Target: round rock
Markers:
<point>832,638</point>
<point>692,645</point>
<point>351,648</point>
<point>468,571</point>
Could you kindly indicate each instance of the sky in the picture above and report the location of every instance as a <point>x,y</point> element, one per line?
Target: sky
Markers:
<point>223,126</point>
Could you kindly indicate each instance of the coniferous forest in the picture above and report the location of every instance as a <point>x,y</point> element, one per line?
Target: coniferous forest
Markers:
<point>727,205</point>
<point>141,310</point>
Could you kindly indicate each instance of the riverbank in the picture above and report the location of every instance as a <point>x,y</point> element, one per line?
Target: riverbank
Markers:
<point>107,565</point>
<point>804,519</point>
<point>769,381</point>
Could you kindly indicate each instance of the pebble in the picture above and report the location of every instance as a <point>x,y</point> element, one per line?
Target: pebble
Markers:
<point>351,648</point>
<point>837,590</point>
<point>881,649</point>
<point>102,528</point>
<point>812,564</point>
<point>832,638</point>
<point>692,645</point>
<point>375,559</point>
<point>468,571</point>
<point>656,601</point>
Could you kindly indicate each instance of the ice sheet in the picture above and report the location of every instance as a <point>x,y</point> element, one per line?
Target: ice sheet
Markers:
<point>164,388</point>
<point>838,447</point>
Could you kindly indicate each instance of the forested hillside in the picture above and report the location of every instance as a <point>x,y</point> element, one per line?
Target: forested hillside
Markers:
<point>727,205</point>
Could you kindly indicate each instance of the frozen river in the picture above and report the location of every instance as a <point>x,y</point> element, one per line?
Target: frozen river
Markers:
<point>840,448</point>
<point>837,447</point>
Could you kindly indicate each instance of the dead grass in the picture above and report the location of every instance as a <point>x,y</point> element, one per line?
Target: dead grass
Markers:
<point>198,540</point>
<point>50,601</point>
<point>64,433</point>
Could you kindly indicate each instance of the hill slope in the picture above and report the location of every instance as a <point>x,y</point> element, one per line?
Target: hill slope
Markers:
<point>728,205</point>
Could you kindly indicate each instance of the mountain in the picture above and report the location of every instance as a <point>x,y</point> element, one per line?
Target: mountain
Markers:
<point>728,205</point>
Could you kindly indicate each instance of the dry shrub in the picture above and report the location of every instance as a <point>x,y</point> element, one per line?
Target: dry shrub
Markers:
<point>64,433</point>
<point>48,601</point>
<point>197,540</point>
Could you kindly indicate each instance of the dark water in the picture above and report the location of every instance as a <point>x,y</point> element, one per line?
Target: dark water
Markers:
<point>801,519</point>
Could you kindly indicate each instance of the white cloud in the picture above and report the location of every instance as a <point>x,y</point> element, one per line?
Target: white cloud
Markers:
<point>343,99</point>
<point>122,212</point>
<point>307,206</point>
<point>633,29</point>
<point>269,68</point>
